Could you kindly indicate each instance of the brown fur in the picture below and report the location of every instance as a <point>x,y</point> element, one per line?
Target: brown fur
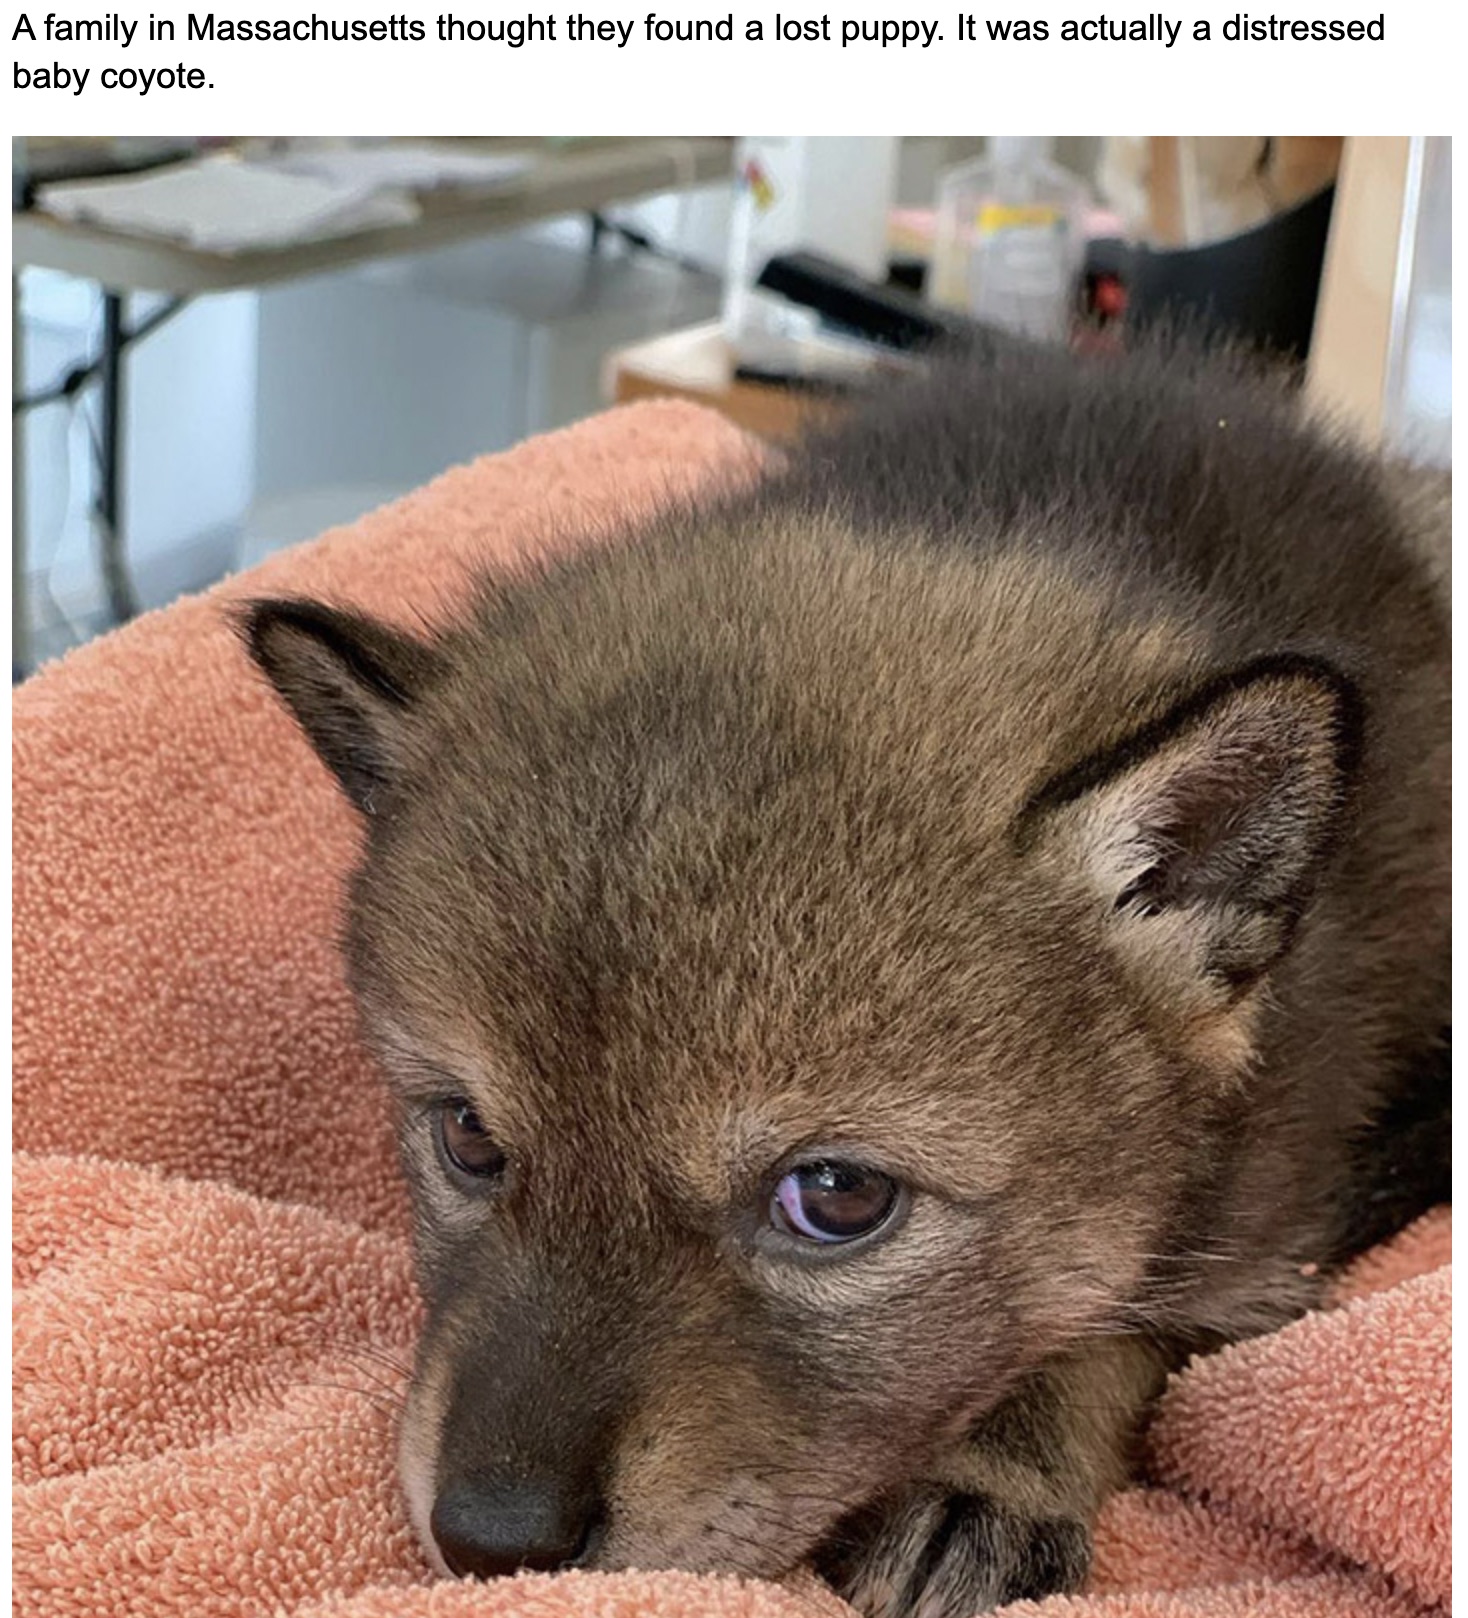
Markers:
<point>1056,825</point>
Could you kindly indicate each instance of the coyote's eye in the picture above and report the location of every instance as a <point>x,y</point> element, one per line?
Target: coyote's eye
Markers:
<point>465,1143</point>
<point>832,1201</point>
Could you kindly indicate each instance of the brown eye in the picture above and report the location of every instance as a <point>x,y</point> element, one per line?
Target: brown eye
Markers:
<point>833,1201</point>
<point>465,1143</point>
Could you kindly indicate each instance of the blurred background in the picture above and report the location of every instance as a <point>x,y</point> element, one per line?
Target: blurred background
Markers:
<point>223,347</point>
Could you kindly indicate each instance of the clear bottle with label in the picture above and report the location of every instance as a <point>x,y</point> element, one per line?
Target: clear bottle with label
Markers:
<point>1010,238</point>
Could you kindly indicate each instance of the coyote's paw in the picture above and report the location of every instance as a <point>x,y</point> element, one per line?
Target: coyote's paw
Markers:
<point>928,1552</point>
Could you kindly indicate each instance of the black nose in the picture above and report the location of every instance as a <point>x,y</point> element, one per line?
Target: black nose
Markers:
<point>488,1529</point>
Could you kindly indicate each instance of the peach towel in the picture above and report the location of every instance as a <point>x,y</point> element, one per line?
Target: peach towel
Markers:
<point>213,1307</point>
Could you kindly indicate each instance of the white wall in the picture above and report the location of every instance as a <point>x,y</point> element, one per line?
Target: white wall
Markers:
<point>373,381</point>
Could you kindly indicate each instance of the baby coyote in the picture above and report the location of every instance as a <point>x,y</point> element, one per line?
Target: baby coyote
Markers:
<point>876,966</point>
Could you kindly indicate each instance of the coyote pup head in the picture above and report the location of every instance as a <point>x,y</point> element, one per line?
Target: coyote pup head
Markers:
<point>805,967</point>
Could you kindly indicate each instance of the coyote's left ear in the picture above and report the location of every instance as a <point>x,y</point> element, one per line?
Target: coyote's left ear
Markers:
<point>351,682</point>
<point>1203,835</point>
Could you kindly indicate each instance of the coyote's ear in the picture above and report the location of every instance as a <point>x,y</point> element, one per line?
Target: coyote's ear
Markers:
<point>1203,834</point>
<point>352,684</point>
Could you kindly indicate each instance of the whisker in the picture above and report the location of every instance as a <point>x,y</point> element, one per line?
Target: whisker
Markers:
<point>328,1427</point>
<point>397,1387</point>
<point>379,1399</point>
<point>375,1353</point>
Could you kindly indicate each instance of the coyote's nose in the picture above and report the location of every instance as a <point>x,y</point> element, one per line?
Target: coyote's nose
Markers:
<point>485,1529</point>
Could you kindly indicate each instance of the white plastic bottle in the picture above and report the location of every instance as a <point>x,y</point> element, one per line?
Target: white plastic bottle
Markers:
<point>1010,238</point>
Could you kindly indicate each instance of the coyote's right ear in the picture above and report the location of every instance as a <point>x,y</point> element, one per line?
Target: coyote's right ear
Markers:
<point>352,684</point>
<point>1204,833</point>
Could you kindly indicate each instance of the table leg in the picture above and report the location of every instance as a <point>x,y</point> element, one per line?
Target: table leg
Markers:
<point>121,602</point>
<point>20,607</point>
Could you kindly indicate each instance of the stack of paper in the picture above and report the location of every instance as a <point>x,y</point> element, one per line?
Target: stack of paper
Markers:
<point>227,206</point>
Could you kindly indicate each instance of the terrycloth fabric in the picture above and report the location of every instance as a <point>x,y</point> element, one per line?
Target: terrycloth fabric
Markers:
<point>213,1309</point>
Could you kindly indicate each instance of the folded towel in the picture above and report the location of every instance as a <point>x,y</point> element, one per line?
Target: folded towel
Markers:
<point>213,1307</point>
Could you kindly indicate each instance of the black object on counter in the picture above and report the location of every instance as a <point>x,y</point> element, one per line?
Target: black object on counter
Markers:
<point>1261,285</point>
<point>880,314</point>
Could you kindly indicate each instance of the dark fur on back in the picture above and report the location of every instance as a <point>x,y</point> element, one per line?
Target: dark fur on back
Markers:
<point>1034,791</point>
